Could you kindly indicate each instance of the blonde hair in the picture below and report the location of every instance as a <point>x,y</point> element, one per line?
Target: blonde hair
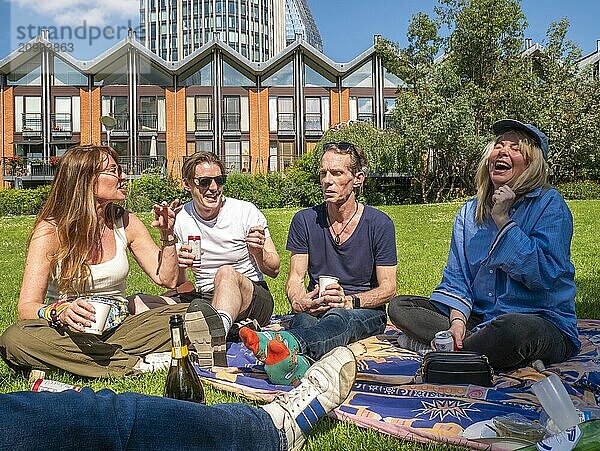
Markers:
<point>534,176</point>
<point>71,209</point>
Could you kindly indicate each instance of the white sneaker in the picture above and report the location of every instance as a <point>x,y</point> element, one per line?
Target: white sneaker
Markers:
<point>406,342</point>
<point>324,387</point>
<point>154,362</point>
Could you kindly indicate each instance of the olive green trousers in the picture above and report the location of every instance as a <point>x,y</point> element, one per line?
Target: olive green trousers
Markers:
<point>33,344</point>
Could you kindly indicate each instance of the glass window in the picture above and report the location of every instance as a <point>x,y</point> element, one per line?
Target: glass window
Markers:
<point>313,114</point>
<point>283,77</point>
<point>232,156</point>
<point>231,114</point>
<point>204,146</point>
<point>232,77</point>
<point>116,106</point>
<point>285,114</point>
<point>28,73</point>
<point>391,80</point>
<point>201,77</point>
<point>203,117</point>
<point>152,75</point>
<point>365,109</point>
<point>114,74</point>
<point>314,78</point>
<point>361,77</point>
<point>66,75</point>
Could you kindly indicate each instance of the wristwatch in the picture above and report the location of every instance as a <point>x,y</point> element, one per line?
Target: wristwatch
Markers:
<point>355,301</point>
<point>170,240</point>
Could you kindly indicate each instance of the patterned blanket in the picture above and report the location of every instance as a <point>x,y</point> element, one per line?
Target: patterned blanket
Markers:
<point>384,397</point>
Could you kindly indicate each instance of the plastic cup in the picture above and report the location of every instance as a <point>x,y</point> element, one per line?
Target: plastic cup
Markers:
<point>556,401</point>
<point>325,281</point>
<point>102,310</point>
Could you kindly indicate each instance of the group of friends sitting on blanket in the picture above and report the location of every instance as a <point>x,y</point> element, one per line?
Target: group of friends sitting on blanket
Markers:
<point>507,290</point>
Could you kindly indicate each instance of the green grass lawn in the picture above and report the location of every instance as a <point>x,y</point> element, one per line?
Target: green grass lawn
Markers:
<point>422,236</point>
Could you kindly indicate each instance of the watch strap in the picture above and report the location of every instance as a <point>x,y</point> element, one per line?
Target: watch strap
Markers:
<point>170,240</point>
<point>355,301</point>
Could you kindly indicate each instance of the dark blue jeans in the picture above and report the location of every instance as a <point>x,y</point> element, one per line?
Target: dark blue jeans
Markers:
<point>509,341</point>
<point>317,335</point>
<point>107,421</point>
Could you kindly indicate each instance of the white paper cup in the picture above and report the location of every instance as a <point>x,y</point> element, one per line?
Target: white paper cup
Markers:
<point>102,310</point>
<point>325,281</point>
<point>556,401</point>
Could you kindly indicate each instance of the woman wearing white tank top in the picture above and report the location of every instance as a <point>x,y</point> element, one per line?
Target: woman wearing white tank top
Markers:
<point>77,250</point>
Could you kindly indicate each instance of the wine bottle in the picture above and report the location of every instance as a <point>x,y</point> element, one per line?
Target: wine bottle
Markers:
<point>182,380</point>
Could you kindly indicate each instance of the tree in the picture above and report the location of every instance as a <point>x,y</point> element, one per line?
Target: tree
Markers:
<point>565,103</point>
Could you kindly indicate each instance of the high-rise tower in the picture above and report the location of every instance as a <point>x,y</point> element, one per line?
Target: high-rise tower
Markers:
<point>299,20</point>
<point>175,28</point>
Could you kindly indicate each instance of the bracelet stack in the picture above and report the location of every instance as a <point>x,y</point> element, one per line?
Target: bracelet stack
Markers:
<point>51,313</point>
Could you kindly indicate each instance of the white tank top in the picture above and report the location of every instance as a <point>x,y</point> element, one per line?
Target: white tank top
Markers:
<point>106,279</point>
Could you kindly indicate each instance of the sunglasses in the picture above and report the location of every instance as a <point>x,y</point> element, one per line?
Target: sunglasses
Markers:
<point>114,172</point>
<point>205,182</point>
<point>342,145</point>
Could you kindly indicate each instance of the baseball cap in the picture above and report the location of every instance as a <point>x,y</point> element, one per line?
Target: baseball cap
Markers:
<point>504,125</point>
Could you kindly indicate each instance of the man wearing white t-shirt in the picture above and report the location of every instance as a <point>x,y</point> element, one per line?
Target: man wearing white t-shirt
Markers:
<point>237,250</point>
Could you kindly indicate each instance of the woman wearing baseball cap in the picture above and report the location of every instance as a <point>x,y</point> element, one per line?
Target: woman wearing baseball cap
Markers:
<point>508,288</point>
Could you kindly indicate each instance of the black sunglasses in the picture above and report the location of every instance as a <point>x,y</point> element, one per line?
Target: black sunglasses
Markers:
<point>205,182</point>
<point>342,145</point>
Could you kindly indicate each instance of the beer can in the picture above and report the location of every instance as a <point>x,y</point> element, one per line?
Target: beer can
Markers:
<point>195,242</point>
<point>444,341</point>
<point>52,386</point>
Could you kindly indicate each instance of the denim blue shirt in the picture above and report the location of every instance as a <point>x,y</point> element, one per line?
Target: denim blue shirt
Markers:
<point>523,268</point>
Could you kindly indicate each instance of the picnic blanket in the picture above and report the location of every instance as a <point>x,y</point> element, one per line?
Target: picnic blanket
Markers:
<point>385,399</point>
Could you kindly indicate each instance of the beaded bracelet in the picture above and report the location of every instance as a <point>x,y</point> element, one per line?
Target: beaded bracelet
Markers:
<point>52,313</point>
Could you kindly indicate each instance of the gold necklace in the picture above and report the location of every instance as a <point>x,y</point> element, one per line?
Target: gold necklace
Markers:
<point>337,235</point>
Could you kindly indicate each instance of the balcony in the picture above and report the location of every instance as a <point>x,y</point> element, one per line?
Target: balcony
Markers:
<point>285,124</point>
<point>147,123</point>
<point>203,124</point>
<point>62,126</point>
<point>365,117</point>
<point>32,125</point>
<point>231,123</point>
<point>312,124</point>
<point>122,127</point>
<point>136,166</point>
<point>30,169</point>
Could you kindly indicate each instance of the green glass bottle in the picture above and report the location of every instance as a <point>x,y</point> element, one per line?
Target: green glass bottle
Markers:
<point>182,380</point>
<point>582,437</point>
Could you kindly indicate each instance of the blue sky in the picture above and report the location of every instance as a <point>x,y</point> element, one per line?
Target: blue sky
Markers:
<point>347,26</point>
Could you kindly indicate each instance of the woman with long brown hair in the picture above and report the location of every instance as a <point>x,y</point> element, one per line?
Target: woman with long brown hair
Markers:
<point>78,251</point>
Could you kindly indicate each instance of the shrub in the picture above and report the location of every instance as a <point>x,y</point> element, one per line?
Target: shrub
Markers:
<point>23,201</point>
<point>585,190</point>
<point>150,189</point>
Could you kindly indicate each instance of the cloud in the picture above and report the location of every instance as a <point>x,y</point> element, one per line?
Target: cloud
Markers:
<point>75,12</point>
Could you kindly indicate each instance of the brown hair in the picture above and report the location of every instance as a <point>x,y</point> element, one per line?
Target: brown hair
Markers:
<point>534,176</point>
<point>189,167</point>
<point>71,208</point>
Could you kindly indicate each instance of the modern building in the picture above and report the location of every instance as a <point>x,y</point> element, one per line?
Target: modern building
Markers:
<point>258,29</point>
<point>258,117</point>
<point>299,20</point>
